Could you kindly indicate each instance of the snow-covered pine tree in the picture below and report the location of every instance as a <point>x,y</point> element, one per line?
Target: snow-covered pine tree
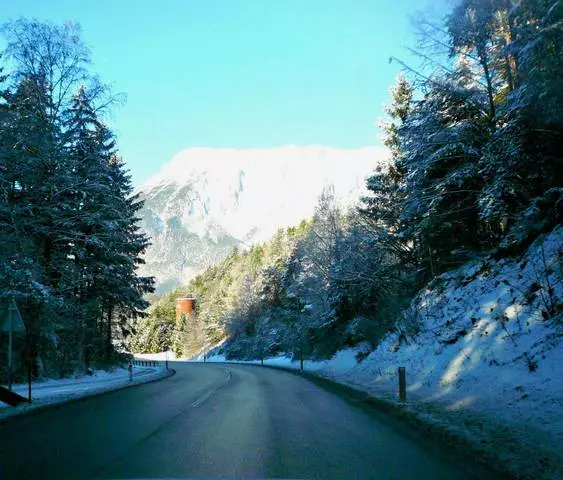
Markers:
<point>86,223</point>
<point>524,163</point>
<point>109,244</point>
<point>70,238</point>
<point>382,209</point>
<point>443,141</point>
<point>123,288</point>
<point>37,177</point>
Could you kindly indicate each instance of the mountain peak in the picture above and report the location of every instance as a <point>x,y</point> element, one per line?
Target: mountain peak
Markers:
<point>196,160</point>
<point>205,201</point>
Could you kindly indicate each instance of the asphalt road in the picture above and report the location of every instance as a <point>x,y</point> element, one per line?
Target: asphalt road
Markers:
<point>217,421</point>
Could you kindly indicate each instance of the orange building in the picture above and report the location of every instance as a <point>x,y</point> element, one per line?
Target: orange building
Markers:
<point>186,306</point>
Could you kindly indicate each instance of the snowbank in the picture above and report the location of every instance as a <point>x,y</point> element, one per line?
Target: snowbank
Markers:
<point>159,357</point>
<point>61,391</point>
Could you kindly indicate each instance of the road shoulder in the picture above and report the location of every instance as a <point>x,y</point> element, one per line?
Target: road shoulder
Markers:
<point>8,413</point>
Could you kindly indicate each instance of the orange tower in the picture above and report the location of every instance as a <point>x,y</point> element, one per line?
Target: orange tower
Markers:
<point>186,306</point>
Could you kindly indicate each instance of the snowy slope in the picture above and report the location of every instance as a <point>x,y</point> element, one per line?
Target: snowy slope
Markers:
<point>486,364</point>
<point>205,201</point>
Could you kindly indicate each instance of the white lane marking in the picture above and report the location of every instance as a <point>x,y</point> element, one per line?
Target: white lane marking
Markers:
<point>205,396</point>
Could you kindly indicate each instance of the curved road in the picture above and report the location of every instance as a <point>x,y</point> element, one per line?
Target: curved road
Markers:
<point>216,421</point>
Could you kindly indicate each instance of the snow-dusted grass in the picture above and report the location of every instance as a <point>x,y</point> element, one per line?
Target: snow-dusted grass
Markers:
<point>60,391</point>
<point>486,364</point>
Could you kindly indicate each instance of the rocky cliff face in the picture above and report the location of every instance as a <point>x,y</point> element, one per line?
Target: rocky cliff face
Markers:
<point>206,201</point>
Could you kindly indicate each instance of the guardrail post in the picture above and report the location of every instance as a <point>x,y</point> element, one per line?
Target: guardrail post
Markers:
<point>402,384</point>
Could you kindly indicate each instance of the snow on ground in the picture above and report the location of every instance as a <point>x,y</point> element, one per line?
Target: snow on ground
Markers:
<point>59,391</point>
<point>486,363</point>
<point>171,356</point>
<point>160,357</point>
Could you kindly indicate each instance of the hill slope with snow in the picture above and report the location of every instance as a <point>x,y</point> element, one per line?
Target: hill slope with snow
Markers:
<point>206,201</point>
<point>483,355</point>
<point>483,347</point>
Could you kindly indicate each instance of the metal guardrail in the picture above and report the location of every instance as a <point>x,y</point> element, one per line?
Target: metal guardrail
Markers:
<point>146,363</point>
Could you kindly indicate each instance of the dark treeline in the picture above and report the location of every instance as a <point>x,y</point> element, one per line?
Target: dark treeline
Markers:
<point>476,140</point>
<point>69,241</point>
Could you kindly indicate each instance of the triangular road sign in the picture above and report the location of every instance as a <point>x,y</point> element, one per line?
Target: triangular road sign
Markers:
<point>13,320</point>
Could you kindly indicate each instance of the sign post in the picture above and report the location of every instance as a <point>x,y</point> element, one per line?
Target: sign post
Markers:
<point>13,323</point>
<point>10,329</point>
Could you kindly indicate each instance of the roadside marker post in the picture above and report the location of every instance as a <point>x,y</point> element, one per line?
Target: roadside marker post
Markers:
<point>402,384</point>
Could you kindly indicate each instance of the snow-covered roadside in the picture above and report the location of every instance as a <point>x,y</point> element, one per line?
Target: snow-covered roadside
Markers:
<point>171,356</point>
<point>53,392</point>
<point>485,365</point>
<point>159,357</point>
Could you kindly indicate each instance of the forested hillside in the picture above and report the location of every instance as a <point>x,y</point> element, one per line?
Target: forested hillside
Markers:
<point>69,241</point>
<point>476,170</point>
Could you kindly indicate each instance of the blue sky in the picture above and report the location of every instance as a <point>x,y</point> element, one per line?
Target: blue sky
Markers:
<point>238,73</point>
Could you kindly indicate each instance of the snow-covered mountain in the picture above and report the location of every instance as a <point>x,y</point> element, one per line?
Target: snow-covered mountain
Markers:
<point>205,201</point>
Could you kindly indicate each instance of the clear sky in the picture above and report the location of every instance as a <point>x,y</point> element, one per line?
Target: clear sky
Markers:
<point>238,73</point>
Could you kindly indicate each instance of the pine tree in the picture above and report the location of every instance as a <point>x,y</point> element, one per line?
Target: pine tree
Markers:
<point>524,160</point>
<point>124,288</point>
<point>70,237</point>
<point>382,209</point>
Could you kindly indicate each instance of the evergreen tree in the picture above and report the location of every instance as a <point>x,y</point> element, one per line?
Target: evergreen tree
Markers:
<point>444,138</point>
<point>68,216</point>
<point>382,209</point>
<point>523,161</point>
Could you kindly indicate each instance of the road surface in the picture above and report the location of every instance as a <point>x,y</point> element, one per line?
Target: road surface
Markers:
<point>217,421</point>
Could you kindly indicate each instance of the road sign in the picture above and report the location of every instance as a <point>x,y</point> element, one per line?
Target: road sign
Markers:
<point>13,321</point>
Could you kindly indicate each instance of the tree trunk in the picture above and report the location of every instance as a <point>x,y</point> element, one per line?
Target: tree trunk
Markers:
<point>490,89</point>
<point>511,64</point>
